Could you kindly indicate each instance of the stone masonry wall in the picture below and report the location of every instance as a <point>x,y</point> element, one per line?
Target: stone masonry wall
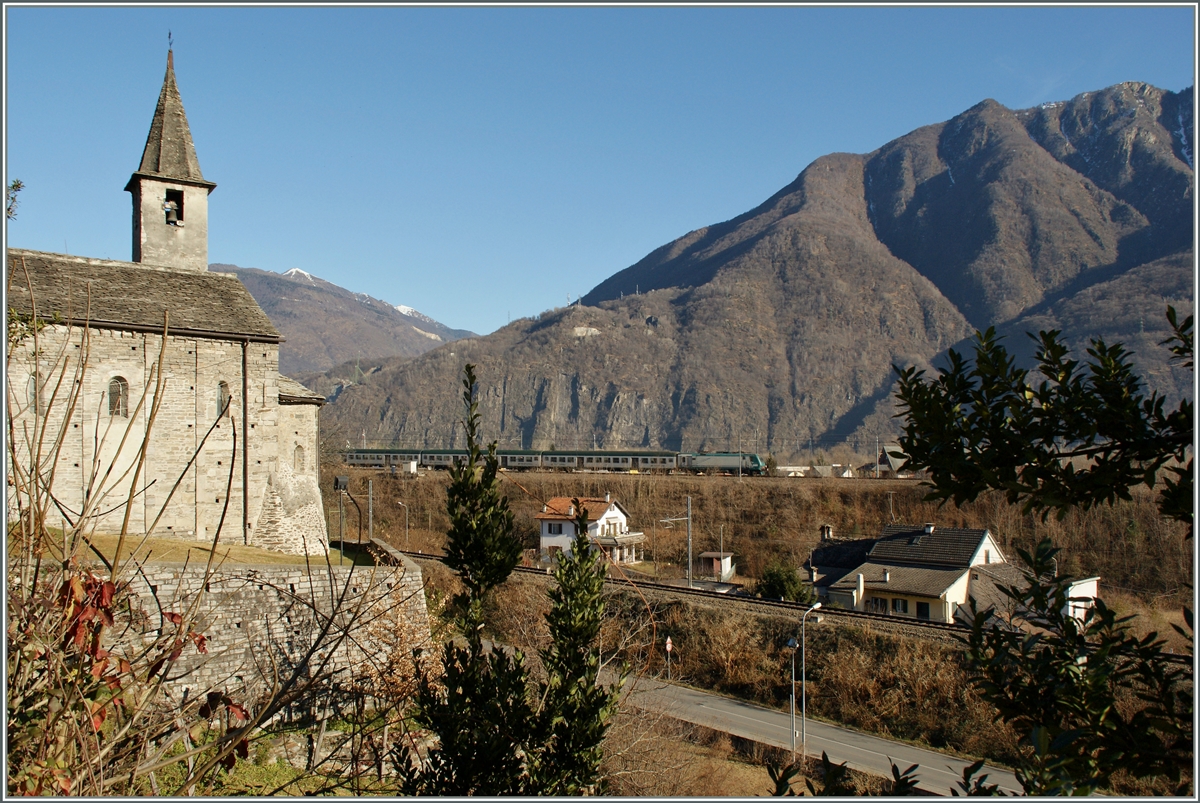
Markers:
<point>177,499</point>
<point>259,620</point>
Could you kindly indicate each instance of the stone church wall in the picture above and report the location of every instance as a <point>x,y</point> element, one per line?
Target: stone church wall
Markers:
<point>192,482</point>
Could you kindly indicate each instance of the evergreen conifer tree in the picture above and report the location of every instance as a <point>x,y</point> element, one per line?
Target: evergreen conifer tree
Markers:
<point>497,732</point>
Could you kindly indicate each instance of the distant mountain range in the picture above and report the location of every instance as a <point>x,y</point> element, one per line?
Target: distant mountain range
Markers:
<point>778,329</point>
<point>326,325</point>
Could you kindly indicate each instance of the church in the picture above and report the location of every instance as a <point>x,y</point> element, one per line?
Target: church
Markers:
<point>147,394</point>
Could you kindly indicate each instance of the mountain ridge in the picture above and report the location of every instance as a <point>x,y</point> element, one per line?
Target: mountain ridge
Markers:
<point>786,320</point>
<point>325,325</point>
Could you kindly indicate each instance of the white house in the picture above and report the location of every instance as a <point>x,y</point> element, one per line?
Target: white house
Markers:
<point>608,528</point>
<point>922,572</point>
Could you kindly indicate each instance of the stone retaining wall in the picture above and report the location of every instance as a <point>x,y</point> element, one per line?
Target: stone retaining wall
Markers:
<point>263,622</point>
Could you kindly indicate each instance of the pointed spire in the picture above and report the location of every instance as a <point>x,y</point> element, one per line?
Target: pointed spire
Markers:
<point>170,152</point>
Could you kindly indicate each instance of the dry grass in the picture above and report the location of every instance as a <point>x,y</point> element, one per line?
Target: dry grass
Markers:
<point>1157,616</point>
<point>763,519</point>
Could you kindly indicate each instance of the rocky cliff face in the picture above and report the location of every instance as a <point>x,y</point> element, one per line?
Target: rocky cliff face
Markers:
<point>778,329</point>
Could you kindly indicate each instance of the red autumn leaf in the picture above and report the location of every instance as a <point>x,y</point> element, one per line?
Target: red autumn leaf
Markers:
<point>98,667</point>
<point>173,618</point>
<point>201,642</point>
<point>124,667</point>
<point>107,591</point>
<point>243,748</point>
<point>154,667</point>
<point>239,712</point>
<point>229,761</point>
<point>96,649</point>
<point>75,633</point>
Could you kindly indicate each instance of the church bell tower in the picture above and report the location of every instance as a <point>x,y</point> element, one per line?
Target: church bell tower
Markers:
<point>170,195</point>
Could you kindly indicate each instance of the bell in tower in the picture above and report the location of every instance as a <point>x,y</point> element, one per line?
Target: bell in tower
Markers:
<point>170,195</point>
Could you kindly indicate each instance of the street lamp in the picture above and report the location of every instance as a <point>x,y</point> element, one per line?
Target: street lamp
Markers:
<point>401,504</point>
<point>792,645</point>
<point>803,677</point>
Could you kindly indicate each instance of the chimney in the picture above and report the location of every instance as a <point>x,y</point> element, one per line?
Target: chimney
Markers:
<point>826,532</point>
<point>928,527</point>
<point>607,496</point>
<point>544,508</point>
<point>858,592</point>
<point>887,576</point>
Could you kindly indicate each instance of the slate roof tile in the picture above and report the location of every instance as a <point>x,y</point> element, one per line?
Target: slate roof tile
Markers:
<point>134,296</point>
<point>945,546</point>
<point>170,152</point>
<point>901,580</point>
<point>292,392</point>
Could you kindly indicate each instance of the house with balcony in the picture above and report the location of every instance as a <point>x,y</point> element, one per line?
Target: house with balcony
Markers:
<point>608,528</point>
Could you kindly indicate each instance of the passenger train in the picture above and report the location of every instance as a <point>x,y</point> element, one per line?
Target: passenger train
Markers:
<point>630,461</point>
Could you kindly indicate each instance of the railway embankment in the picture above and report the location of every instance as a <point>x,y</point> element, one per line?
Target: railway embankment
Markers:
<point>1145,563</point>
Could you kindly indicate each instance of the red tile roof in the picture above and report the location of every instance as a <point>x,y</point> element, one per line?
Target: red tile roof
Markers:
<point>559,508</point>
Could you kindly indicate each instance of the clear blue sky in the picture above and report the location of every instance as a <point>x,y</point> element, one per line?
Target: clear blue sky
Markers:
<point>482,163</point>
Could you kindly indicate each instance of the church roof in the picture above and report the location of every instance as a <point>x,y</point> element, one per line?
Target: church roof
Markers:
<point>170,152</point>
<point>292,392</point>
<point>133,296</point>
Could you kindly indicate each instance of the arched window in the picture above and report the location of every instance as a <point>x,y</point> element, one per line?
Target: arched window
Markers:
<point>118,397</point>
<point>298,462</point>
<point>224,399</point>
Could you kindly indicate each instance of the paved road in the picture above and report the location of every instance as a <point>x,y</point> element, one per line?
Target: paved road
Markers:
<point>938,773</point>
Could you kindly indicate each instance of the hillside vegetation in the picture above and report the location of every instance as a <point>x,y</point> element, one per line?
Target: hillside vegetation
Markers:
<point>1128,545</point>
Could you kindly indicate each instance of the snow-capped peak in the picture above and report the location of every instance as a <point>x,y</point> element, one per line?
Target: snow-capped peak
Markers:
<point>296,273</point>
<point>412,313</point>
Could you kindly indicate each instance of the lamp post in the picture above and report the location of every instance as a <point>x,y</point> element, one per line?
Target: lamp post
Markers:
<point>792,645</point>
<point>401,504</point>
<point>803,679</point>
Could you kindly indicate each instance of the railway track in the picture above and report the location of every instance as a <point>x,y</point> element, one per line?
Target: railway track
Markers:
<point>933,630</point>
<point>777,607</point>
